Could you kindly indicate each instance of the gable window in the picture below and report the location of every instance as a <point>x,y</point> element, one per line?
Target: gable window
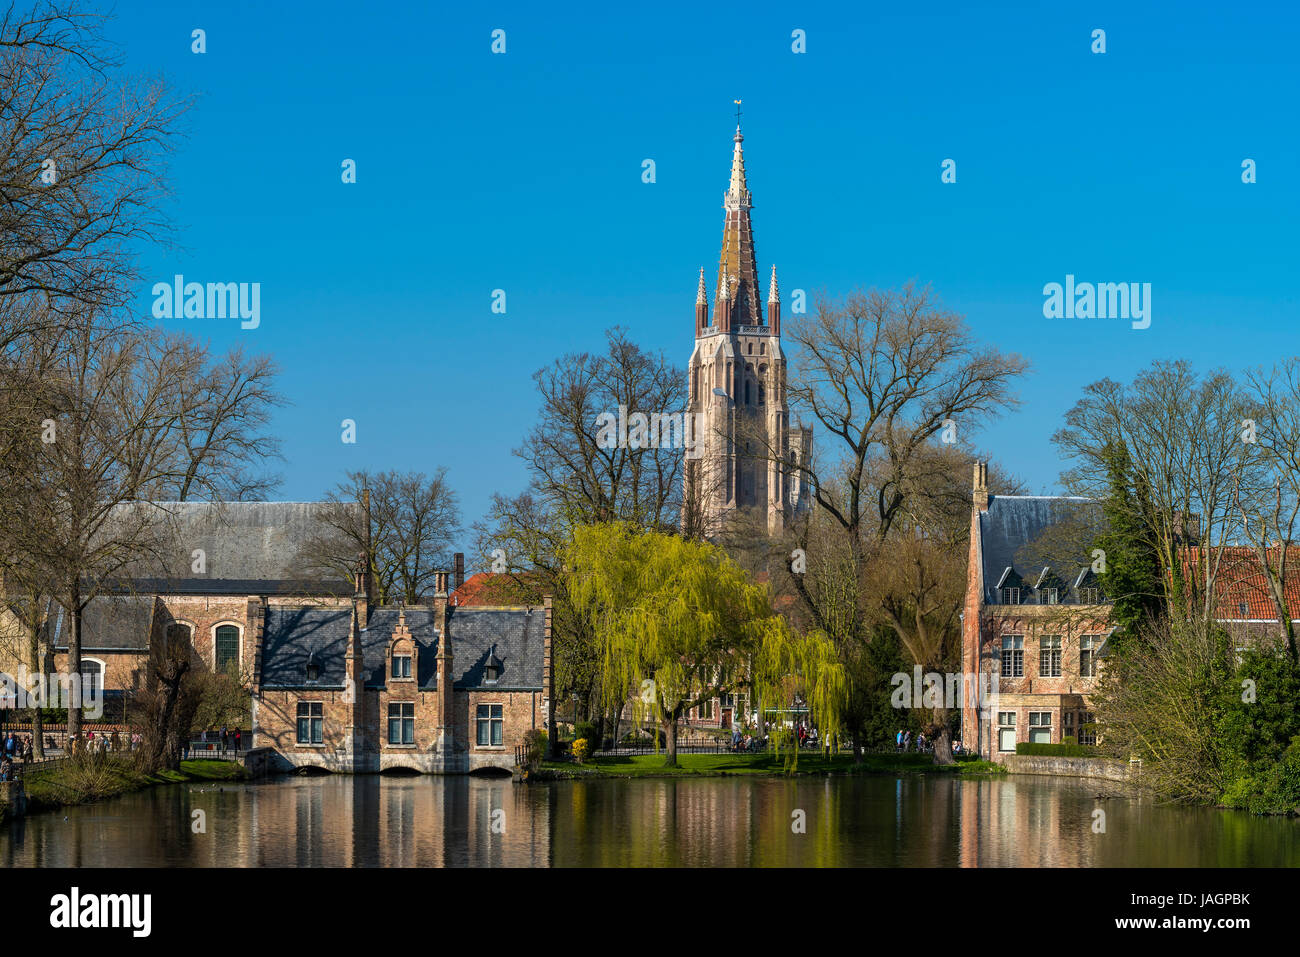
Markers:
<point>1049,656</point>
<point>489,721</point>
<point>1011,596</point>
<point>1088,596</point>
<point>1040,727</point>
<point>1049,596</point>
<point>227,643</point>
<point>311,722</point>
<point>401,666</point>
<point>1006,730</point>
<point>401,722</point>
<point>1088,645</point>
<point>1013,656</point>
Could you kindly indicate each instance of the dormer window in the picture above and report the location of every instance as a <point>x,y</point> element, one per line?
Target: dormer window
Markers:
<point>1049,596</point>
<point>313,668</point>
<point>492,670</point>
<point>1011,596</point>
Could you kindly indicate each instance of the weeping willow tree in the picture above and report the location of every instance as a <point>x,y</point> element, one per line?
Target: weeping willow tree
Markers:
<point>678,623</point>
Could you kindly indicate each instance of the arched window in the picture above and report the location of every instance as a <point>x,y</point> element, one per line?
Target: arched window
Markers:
<point>92,677</point>
<point>227,647</point>
<point>762,348</point>
<point>760,393</point>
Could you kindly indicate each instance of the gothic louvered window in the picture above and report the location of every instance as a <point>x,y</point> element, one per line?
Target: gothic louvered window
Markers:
<point>227,640</point>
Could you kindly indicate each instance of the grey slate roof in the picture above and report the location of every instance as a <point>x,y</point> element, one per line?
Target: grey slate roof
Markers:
<point>293,634</point>
<point>250,548</point>
<point>108,622</point>
<point>1029,532</point>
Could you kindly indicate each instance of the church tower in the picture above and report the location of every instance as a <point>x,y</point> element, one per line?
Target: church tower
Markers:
<point>738,387</point>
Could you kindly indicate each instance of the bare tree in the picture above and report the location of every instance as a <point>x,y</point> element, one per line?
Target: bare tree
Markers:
<point>97,436</point>
<point>883,375</point>
<point>1192,443</point>
<point>405,534</point>
<point>894,384</point>
<point>82,158</point>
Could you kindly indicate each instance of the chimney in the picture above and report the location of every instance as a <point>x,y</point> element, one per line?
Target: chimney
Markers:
<point>354,688</point>
<point>444,747</point>
<point>458,565</point>
<point>361,593</point>
<point>980,493</point>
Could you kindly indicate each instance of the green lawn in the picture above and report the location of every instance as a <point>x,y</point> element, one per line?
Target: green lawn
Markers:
<point>652,765</point>
<point>74,782</point>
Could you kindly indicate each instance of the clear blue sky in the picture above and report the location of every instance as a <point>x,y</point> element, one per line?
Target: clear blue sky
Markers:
<point>523,172</point>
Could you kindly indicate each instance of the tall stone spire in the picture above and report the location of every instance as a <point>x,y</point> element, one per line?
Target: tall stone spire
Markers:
<point>737,268</point>
<point>701,296</point>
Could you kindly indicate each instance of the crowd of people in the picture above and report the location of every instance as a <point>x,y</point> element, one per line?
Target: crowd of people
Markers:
<point>903,742</point>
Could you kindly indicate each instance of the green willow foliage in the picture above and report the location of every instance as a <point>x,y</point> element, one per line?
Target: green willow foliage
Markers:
<point>678,622</point>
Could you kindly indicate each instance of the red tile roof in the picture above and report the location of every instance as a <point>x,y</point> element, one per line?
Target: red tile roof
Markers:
<point>491,588</point>
<point>1241,580</point>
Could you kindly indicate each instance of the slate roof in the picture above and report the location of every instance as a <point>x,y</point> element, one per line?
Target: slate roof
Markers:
<point>293,634</point>
<point>250,548</point>
<point>1028,533</point>
<point>109,622</point>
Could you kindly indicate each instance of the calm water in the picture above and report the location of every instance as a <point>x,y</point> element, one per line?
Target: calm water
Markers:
<point>914,820</point>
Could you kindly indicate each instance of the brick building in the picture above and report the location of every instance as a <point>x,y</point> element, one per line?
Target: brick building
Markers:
<point>434,688</point>
<point>1033,617</point>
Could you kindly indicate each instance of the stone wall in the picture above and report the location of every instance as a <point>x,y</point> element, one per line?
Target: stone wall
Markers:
<point>1066,767</point>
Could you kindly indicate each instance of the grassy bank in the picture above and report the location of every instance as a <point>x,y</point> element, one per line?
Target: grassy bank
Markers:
<point>84,782</point>
<point>718,765</point>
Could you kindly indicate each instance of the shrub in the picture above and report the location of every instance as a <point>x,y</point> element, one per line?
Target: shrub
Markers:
<point>589,731</point>
<point>1058,750</point>
<point>581,750</point>
<point>536,741</point>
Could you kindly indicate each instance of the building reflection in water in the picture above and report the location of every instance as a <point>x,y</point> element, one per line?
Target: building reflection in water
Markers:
<point>920,820</point>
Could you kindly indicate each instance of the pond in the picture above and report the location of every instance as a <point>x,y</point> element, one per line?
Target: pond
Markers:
<point>914,820</point>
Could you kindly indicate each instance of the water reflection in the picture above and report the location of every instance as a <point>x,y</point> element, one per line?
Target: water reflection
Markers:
<point>371,821</point>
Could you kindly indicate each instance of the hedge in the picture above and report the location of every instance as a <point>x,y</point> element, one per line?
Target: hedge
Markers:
<point>1057,750</point>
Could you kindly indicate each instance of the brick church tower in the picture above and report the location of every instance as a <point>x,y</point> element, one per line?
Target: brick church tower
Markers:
<point>738,387</point>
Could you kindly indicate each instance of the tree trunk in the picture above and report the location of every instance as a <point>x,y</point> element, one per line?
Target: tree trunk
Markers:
<point>670,741</point>
<point>943,739</point>
<point>74,660</point>
<point>38,701</point>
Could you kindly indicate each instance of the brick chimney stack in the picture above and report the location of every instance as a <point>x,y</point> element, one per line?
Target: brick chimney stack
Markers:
<point>980,493</point>
<point>354,688</point>
<point>446,693</point>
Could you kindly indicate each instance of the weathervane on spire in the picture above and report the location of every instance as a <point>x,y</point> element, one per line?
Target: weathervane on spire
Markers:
<point>737,102</point>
